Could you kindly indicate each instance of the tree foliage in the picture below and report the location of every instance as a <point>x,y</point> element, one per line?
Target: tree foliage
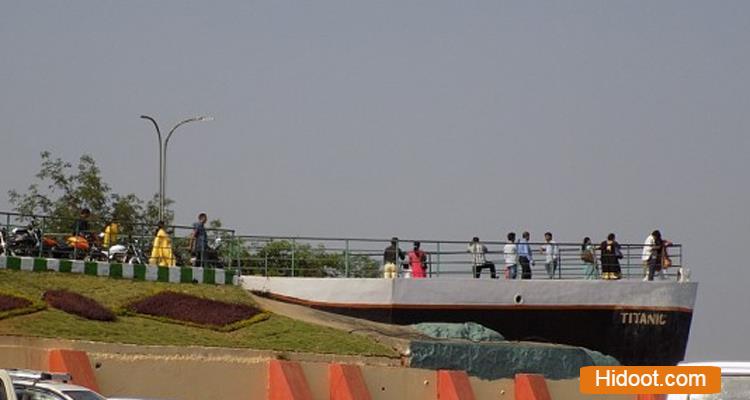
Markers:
<point>61,190</point>
<point>287,258</point>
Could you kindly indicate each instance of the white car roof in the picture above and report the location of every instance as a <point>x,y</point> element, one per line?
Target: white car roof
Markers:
<point>51,385</point>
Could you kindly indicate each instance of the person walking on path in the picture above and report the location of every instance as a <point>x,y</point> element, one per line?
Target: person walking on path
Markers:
<point>479,260</point>
<point>551,255</point>
<point>659,259</point>
<point>417,261</point>
<point>391,256</point>
<point>111,232</point>
<point>510,256</point>
<point>161,251</point>
<point>81,225</point>
<point>199,240</point>
<point>610,258</point>
<point>588,256</point>
<point>525,258</point>
<point>648,244</point>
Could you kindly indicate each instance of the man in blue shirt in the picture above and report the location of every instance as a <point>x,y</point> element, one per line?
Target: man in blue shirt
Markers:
<point>525,258</point>
<point>199,240</point>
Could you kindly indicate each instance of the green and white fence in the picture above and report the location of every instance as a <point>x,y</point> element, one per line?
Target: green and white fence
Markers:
<point>136,272</point>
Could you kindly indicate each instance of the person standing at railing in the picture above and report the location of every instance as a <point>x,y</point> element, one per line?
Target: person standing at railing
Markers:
<point>510,256</point>
<point>588,256</point>
<point>161,251</point>
<point>648,247</point>
<point>479,261</point>
<point>417,261</point>
<point>525,258</point>
<point>551,255</point>
<point>81,225</point>
<point>658,260</point>
<point>199,240</point>
<point>391,256</point>
<point>610,258</point>
<point>111,231</point>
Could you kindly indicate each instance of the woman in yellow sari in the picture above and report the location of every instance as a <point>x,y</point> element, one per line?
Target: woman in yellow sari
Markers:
<point>161,251</point>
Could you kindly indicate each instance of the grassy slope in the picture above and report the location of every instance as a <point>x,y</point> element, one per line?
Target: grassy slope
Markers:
<point>276,333</point>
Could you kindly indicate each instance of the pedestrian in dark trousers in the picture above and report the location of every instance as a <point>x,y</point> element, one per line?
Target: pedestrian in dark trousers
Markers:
<point>611,255</point>
<point>479,261</point>
<point>199,240</point>
<point>525,258</point>
<point>658,255</point>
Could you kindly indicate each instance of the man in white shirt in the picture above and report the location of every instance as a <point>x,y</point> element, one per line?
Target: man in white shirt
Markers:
<point>551,254</point>
<point>478,250</point>
<point>510,254</point>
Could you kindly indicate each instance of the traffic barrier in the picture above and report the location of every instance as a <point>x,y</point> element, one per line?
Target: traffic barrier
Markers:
<point>347,383</point>
<point>531,387</point>
<point>286,381</point>
<point>76,363</point>
<point>454,385</point>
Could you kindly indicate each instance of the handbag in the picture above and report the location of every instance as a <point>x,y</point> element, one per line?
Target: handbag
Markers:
<point>587,256</point>
<point>618,252</point>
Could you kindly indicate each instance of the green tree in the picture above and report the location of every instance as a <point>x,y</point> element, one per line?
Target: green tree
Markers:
<point>61,190</point>
<point>280,257</point>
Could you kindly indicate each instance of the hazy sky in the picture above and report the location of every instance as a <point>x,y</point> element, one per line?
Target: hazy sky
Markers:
<point>429,119</point>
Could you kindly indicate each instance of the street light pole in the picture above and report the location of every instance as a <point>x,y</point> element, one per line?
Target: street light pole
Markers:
<point>161,165</point>
<point>166,143</point>
<point>163,157</point>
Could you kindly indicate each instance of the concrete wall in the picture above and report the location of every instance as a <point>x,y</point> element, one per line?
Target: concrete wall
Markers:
<point>205,373</point>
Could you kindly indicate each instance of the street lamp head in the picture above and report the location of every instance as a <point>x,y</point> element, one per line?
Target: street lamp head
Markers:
<point>205,118</point>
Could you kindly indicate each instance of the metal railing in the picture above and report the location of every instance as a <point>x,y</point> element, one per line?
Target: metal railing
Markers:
<point>362,257</point>
<point>46,236</point>
<point>338,257</point>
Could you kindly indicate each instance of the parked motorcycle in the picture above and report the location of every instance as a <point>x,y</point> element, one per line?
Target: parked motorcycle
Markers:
<point>4,250</point>
<point>130,253</point>
<point>24,241</point>
<point>29,242</point>
<point>211,258</point>
<point>84,247</point>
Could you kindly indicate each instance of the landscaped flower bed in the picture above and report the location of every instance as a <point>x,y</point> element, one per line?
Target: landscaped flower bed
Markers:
<point>8,303</point>
<point>196,311</point>
<point>76,304</point>
<point>11,305</point>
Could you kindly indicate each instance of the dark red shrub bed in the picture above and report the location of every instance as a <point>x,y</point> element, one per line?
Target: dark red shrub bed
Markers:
<point>74,303</point>
<point>187,308</point>
<point>8,303</point>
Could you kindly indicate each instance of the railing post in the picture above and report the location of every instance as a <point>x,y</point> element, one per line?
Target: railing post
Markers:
<point>294,245</point>
<point>346,259</point>
<point>437,272</point>
<point>236,246</point>
<point>41,238</point>
<point>429,265</point>
<point>265,261</point>
<point>627,251</point>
